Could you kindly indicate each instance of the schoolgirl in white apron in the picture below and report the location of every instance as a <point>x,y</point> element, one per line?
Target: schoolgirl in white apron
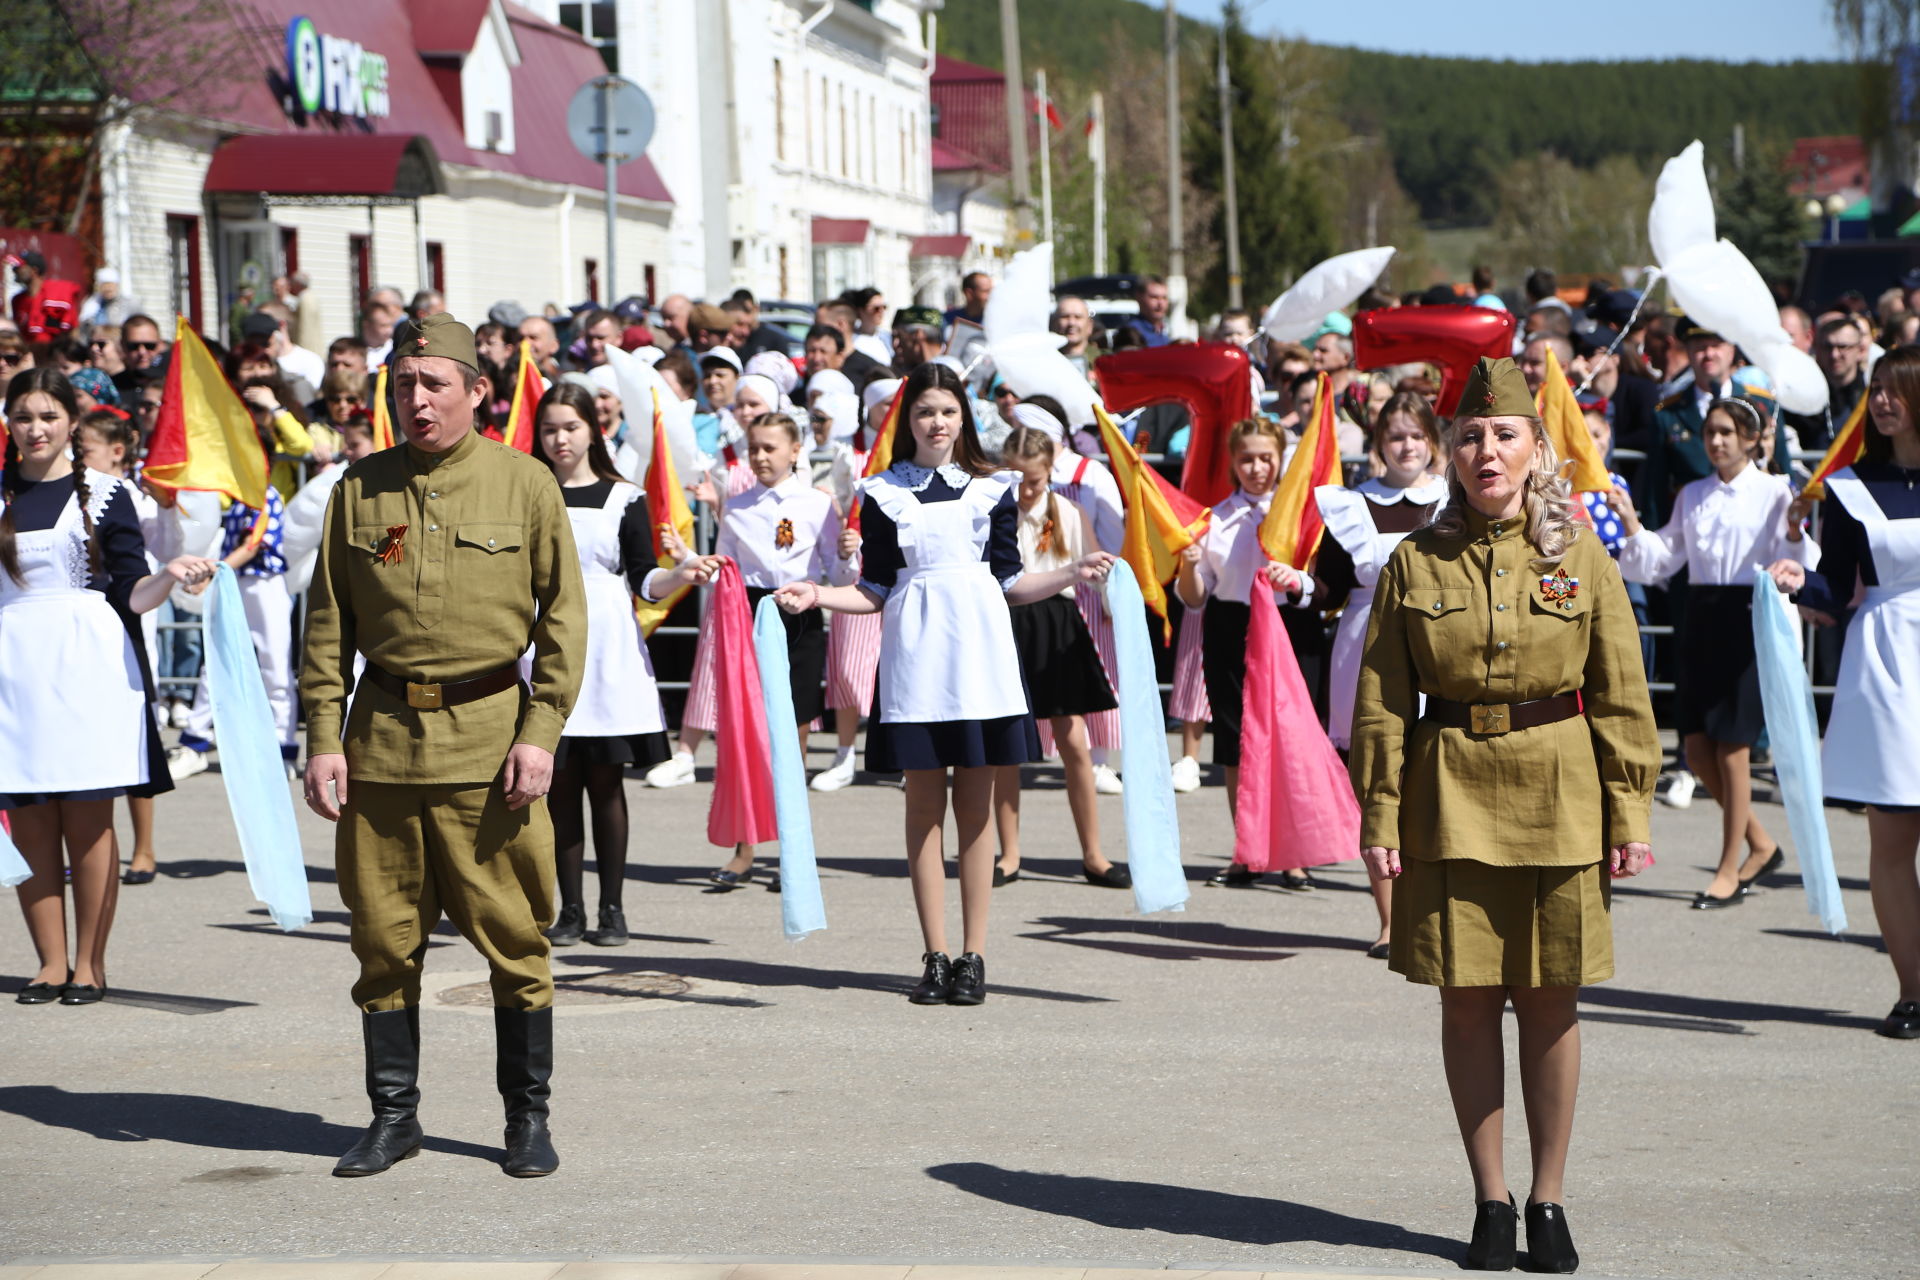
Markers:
<point>76,725</point>
<point>941,561</point>
<point>617,720</point>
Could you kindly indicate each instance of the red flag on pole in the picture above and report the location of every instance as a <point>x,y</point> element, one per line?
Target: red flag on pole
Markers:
<point>527,391</point>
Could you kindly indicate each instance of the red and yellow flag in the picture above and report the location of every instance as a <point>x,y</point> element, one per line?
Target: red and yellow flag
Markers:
<point>1567,428</point>
<point>382,417</point>
<point>204,437</point>
<point>880,456</point>
<point>1291,532</point>
<point>1845,450</point>
<point>526,395</point>
<point>666,505</point>
<point>1161,520</point>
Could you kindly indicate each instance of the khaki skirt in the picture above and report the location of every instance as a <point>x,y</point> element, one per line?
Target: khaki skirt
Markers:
<point>1460,923</point>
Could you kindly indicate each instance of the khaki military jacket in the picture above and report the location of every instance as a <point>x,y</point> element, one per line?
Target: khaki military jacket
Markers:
<point>1471,619</point>
<point>484,572</point>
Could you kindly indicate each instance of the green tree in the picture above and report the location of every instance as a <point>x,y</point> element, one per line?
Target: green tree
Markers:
<point>1757,210</point>
<point>1285,226</point>
<point>1551,213</point>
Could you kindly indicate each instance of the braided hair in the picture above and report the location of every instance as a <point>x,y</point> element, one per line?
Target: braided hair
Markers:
<point>51,382</point>
<point>1028,445</point>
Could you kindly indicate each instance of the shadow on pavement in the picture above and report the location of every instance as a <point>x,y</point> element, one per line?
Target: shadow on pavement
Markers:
<point>1871,941</point>
<point>1185,1211</point>
<point>1729,1011</point>
<point>202,868</point>
<point>161,1001</point>
<point>197,1121</point>
<point>1185,940</point>
<point>752,973</point>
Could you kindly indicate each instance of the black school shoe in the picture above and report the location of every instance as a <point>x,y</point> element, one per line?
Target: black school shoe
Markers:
<point>570,927</point>
<point>1549,1243</point>
<point>969,980</point>
<point>1236,876</point>
<point>1495,1224</point>
<point>39,993</point>
<point>937,983</point>
<point>612,931</point>
<point>1902,1024</point>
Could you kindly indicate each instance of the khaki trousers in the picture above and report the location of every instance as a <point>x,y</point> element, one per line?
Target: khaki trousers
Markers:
<point>406,853</point>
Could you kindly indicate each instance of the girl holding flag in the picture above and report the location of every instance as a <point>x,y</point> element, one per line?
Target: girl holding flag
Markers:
<point>73,574</point>
<point>616,720</point>
<point>941,563</point>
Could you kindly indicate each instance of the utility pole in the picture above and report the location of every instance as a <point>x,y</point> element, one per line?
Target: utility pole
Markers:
<point>1042,107</point>
<point>1097,110</point>
<point>1176,232</point>
<point>1226,156</point>
<point>1016,119</point>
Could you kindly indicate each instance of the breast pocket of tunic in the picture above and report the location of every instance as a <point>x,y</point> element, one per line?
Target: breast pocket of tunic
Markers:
<point>1558,622</point>
<point>1441,623</point>
<point>490,537</point>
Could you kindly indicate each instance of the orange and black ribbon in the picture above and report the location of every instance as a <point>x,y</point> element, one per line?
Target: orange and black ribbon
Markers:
<point>394,552</point>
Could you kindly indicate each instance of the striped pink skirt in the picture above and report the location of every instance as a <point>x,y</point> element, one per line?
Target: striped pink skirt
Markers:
<point>1189,703</point>
<point>1103,727</point>
<point>853,658</point>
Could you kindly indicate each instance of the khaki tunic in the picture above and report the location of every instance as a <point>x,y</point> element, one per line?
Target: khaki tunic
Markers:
<point>1467,619</point>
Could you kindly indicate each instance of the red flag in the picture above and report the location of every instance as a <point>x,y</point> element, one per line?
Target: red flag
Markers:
<point>1295,807</point>
<point>1053,116</point>
<point>880,454</point>
<point>1291,532</point>
<point>526,395</point>
<point>742,811</point>
<point>1848,444</point>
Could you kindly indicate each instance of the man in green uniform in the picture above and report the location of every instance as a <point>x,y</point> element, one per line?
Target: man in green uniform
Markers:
<point>1679,452</point>
<point>442,562</point>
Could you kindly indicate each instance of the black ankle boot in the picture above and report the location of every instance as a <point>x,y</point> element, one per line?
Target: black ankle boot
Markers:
<point>570,927</point>
<point>1549,1243</point>
<point>392,1041</point>
<point>1492,1246</point>
<point>612,931</point>
<point>523,1068</point>
<point>937,983</point>
<point>969,980</point>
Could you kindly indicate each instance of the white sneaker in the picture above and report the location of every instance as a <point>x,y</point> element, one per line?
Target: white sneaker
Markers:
<point>1186,774</point>
<point>184,762</point>
<point>1106,781</point>
<point>1678,791</point>
<point>677,772</point>
<point>179,714</point>
<point>840,775</point>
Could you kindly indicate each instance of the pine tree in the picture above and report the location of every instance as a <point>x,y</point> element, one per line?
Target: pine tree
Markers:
<point>1284,223</point>
<point>1757,210</point>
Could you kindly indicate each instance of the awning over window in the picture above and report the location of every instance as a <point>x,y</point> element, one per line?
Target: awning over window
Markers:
<point>840,230</point>
<point>340,165</point>
<point>954,246</point>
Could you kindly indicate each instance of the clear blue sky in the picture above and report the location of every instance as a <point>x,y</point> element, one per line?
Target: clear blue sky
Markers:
<point>1535,30</point>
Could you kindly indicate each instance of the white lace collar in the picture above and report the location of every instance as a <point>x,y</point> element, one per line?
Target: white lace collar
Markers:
<point>916,477</point>
<point>1383,494</point>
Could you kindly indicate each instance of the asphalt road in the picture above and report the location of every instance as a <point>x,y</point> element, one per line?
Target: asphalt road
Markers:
<point>1237,1085</point>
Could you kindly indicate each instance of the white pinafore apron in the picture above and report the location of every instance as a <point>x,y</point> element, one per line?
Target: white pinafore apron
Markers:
<point>1873,737</point>
<point>1347,517</point>
<point>947,651</point>
<point>72,704</point>
<point>618,697</point>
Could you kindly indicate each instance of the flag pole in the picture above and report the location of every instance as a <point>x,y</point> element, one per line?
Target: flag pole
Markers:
<point>1042,109</point>
<point>1098,110</point>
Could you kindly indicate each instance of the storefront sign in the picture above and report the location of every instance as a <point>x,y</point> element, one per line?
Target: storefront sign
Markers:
<point>331,73</point>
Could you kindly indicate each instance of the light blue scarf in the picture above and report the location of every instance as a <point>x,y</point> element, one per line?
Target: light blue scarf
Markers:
<point>1795,735</point>
<point>13,868</point>
<point>802,911</point>
<point>250,762</point>
<point>1153,831</point>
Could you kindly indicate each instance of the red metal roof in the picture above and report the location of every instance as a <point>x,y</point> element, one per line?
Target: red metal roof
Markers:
<point>951,159</point>
<point>446,26</point>
<point>1823,166</point>
<point>324,165</point>
<point>840,230</point>
<point>970,112</point>
<point>954,246</point>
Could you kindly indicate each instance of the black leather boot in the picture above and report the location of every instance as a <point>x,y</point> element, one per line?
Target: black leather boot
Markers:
<point>523,1068</point>
<point>1549,1243</point>
<point>1494,1227</point>
<point>392,1041</point>
<point>937,983</point>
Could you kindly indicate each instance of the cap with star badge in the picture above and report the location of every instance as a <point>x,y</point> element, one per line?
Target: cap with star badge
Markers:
<point>1496,389</point>
<point>436,335</point>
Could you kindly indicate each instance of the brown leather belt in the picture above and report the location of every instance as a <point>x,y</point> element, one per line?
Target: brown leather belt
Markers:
<point>432,697</point>
<point>1489,719</point>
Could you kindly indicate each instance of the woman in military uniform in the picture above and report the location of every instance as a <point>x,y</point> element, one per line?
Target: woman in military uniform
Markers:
<point>1506,803</point>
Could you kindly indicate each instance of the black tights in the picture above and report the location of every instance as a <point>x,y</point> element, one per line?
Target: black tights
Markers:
<point>604,788</point>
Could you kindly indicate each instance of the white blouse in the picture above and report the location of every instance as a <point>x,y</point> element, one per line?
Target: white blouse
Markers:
<point>1230,551</point>
<point>1720,532</point>
<point>787,533</point>
<point>1068,544</point>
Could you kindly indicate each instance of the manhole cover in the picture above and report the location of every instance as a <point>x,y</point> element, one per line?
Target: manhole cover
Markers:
<point>609,991</point>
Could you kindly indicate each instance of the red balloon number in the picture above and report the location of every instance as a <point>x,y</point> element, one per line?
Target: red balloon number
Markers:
<point>1452,337</point>
<point>1211,380</point>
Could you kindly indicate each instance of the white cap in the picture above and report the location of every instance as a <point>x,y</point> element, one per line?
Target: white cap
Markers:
<point>106,275</point>
<point>723,353</point>
<point>879,391</point>
<point>605,379</point>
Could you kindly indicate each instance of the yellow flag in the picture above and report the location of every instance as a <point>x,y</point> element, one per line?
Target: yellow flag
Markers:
<point>1161,521</point>
<point>1567,428</point>
<point>1291,532</point>
<point>666,504</point>
<point>204,437</point>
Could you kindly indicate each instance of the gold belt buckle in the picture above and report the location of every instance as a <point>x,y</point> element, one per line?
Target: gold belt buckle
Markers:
<point>424,697</point>
<point>1489,720</point>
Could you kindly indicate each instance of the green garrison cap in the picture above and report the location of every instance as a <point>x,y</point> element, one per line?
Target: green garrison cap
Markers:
<point>436,335</point>
<point>1496,389</point>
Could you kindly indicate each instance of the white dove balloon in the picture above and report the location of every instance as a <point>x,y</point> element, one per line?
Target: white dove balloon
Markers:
<point>1024,350</point>
<point>639,381</point>
<point>1715,284</point>
<point>1329,286</point>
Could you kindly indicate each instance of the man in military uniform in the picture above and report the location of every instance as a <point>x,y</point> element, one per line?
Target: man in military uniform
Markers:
<point>443,561</point>
<point>1677,453</point>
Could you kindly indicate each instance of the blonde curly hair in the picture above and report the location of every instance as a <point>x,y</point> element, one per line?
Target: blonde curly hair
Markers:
<point>1552,522</point>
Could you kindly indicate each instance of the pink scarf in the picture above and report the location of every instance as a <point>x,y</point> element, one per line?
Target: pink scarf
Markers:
<point>1296,807</point>
<point>742,811</point>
